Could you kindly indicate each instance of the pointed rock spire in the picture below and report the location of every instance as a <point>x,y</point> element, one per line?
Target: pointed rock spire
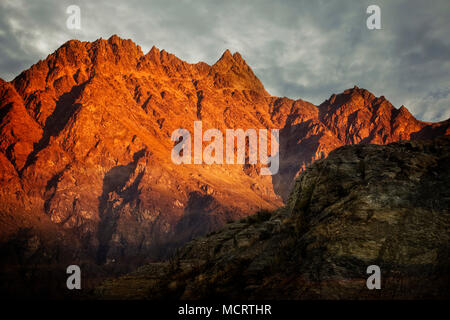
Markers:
<point>226,55</point>
<point>227,60</point>
<point>154,54</point>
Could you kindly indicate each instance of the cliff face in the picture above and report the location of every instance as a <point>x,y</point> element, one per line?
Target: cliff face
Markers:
<point>363,205</point>
<point>85,145</point>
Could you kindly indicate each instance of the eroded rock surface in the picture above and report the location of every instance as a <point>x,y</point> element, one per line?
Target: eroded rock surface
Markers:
<point>362,205</point>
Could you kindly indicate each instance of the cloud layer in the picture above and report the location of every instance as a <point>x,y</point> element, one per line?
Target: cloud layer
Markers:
<point>300,49</point>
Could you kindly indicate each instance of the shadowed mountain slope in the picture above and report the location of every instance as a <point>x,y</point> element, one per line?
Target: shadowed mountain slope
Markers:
<point>363,205</point>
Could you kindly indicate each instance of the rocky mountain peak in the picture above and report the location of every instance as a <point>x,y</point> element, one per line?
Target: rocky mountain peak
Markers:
<point>238,58</point>
<point>229,60</point>
<point>226,55</point>
<point>154,52</point>
<point>404,112</point>
<point>231,70</point>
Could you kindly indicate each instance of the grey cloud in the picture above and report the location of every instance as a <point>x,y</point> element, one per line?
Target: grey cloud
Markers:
<point>299,48</point>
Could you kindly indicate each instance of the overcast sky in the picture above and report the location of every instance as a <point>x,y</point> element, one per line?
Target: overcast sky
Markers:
<point>299,49</point>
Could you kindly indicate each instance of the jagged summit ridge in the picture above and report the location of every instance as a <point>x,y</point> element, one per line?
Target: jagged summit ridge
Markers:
<point>229,59</point>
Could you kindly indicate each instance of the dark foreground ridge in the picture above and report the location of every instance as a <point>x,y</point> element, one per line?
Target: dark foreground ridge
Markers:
<point>362,205</point>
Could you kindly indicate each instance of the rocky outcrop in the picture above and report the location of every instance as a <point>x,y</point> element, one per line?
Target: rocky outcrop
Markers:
<point>363,205</point>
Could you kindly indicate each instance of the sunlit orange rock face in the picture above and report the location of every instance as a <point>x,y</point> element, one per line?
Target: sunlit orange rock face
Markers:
<point>85,144</point>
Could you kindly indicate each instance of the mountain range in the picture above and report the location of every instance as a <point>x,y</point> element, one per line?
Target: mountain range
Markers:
<point>85,148</point>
